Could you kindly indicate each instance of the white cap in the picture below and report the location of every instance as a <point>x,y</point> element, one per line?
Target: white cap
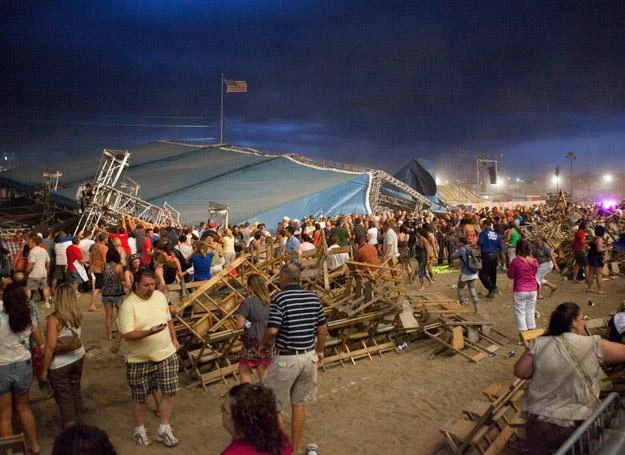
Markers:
<point>286,218</point>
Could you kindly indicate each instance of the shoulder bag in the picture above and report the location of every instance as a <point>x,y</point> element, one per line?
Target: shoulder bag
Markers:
<point>67,343</point>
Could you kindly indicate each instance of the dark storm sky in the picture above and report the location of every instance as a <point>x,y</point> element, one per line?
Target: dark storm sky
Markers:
<point>369,82</point>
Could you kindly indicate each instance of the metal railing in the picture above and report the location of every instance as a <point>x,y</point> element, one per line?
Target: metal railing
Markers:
<point>599,433</point>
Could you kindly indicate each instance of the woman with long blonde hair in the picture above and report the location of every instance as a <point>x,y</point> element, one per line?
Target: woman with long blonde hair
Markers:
<point>201,261</point>
<point>64,354</point>
<point>252,317</point>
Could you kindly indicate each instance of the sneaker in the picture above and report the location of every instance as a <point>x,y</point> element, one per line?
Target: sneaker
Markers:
<point>491,295</point>
<point>167,437</point>
<point>141,437</point>
<point>46,305</point>
<point>312,449</point>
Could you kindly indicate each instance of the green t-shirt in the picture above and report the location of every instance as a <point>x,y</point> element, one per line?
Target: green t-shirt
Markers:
<point>343,236</point>
<point>514,237</point>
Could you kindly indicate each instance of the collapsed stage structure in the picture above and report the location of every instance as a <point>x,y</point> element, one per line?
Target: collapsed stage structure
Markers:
<point>256,185</point>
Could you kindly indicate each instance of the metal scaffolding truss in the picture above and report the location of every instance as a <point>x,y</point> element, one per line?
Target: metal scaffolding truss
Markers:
<point>9,228</point>
<point>110,199</point>
<point>42,204</point>
<point>379,201</point>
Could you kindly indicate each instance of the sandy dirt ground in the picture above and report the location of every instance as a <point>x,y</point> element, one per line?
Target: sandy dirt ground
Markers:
<point>393,404</point>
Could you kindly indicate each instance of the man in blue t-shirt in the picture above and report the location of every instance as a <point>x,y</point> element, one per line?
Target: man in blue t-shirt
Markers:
<point>292,242</point>
<point>491,248</point>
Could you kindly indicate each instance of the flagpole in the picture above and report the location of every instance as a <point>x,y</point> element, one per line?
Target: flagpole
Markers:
<point>221,89</point>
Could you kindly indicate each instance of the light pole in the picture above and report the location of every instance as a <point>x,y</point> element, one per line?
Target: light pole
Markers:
<point>571,156</point>
<point>557,173</point>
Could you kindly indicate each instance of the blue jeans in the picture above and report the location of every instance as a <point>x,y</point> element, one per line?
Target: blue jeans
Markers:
<point>16,377</point>
<point>472,292</point>
<point>422,265</point>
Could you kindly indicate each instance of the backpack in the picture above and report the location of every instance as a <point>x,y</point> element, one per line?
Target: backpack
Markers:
<point>474,261</point>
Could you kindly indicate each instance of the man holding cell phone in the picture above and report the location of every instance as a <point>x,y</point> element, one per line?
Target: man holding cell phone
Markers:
<point>148,331</point>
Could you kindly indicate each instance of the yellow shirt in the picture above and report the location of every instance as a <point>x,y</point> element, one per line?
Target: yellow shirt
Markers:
<point>139,314</point>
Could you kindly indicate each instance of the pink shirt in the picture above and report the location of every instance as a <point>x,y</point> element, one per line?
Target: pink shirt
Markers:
<point>524,274</point>
<point>242,447</point>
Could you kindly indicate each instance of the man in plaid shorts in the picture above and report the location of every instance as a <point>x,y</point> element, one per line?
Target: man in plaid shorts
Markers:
<point>151,344</point>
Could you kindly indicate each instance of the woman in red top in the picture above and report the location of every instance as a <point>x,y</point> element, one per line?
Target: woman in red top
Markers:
<point>317,233</point>
<point>249,414</point>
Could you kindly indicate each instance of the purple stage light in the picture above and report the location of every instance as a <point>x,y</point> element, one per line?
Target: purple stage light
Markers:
<point>609,203</point>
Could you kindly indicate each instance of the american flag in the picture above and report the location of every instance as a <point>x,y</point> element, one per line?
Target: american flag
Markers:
<point>236,86</point>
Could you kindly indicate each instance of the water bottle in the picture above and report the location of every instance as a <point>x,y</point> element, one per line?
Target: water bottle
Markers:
<point>402,346</point>
<point>247,324</point>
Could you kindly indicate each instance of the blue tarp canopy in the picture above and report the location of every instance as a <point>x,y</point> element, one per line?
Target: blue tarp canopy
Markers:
<point>420,175</point>
<point>257,187</point>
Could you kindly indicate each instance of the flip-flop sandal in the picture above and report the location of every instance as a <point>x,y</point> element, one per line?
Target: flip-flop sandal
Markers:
<point>602,292</point>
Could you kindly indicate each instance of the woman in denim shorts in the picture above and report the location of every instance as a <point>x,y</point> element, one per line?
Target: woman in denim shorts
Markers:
<point>16,369</point>
<point>112,287</point>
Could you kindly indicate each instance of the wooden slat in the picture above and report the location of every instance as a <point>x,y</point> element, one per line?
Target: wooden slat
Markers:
<point>500,442</point>
<point>528,335</point>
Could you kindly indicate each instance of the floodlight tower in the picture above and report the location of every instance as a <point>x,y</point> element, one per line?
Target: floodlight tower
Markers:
<point>571,156</point>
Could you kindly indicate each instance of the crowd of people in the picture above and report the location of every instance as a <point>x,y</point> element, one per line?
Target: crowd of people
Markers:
<point>127,267</point>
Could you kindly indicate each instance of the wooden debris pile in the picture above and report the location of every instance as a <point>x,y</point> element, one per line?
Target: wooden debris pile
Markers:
<point>369,312</point>
<point>559,233</point>
<point>488,424</point>
<point>362,316</point>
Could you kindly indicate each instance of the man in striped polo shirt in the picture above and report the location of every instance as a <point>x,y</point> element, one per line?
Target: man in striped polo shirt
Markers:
<point>295,317</point>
